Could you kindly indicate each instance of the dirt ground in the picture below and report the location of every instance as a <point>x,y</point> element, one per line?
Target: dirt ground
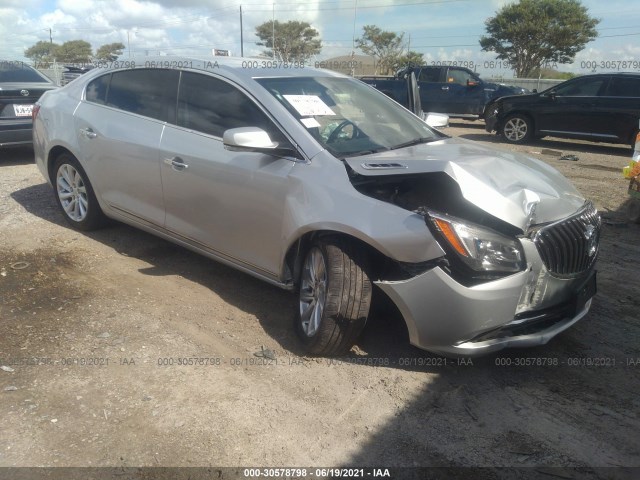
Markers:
<point>120,349</point>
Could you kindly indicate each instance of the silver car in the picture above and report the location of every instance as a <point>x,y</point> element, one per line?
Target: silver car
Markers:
<point>318,183</point>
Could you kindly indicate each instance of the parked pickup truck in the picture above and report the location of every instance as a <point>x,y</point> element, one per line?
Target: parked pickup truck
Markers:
<point>455,91</point>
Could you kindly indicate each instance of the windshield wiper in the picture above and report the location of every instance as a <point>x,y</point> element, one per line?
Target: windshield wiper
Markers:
<point>415,141</point>
<point>363,152</point>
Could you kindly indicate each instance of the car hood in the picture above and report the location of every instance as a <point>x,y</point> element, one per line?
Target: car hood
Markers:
<point>512,187</point>
<point>505,90</point>
<point>525,98</point>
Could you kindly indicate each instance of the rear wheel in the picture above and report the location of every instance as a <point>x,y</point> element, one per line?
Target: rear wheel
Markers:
<point>335,297</point>
<point>74,194</point>
<point>517,128</point>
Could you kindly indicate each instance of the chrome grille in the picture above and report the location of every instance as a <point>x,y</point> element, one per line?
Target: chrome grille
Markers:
<point>570,246</point>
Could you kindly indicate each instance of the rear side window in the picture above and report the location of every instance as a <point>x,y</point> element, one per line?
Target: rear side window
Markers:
<point>97,89</point>
<point>211,106</point>
<point>429,75</point>
<point>624,87</point>
<point>149,92</point>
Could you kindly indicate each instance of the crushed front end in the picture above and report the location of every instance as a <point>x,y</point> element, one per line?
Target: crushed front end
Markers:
<point>495,291</point>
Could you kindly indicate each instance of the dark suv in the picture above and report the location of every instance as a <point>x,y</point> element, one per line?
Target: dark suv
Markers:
<point>600,108</point>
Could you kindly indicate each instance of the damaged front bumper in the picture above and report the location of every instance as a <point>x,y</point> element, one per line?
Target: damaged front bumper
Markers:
<point>522,310</point>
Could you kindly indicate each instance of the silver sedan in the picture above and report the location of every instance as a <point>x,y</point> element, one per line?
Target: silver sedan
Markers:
<point>318,183</point>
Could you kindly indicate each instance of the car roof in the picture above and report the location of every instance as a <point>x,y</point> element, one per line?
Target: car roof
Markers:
<point>607,74</point>
<point>234,67</point>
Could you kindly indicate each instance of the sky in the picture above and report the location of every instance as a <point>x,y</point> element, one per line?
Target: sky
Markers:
<point>443,30</point>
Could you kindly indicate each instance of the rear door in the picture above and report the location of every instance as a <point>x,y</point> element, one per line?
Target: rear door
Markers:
<point>619,109</point>
<point>434,91</point>
<point>119,125</point>
<point>230,203</point>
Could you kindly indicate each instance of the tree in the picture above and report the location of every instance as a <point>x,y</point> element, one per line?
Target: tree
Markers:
<point>410,58</point>
<point>555,74</point>
<point>294,41</point>
<point>41,51</point>
<point>74,51</point>
<point>110,51</point>
<point>385,47</point>
<point>532,33</point>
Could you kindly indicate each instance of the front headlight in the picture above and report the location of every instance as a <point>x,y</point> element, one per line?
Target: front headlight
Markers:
<point>481,249</point>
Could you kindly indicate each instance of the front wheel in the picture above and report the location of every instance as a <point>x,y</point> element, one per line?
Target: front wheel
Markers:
<point>335,296</point>
<point>74,194</point>
<point>517,128</point>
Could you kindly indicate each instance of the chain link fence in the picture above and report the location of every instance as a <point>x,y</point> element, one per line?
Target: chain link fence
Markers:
<point>53,71</point>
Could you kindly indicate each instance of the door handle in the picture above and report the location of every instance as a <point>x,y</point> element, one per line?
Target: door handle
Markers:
<point>88,132</point>
<point>445,88</point>
<point>176,163</point>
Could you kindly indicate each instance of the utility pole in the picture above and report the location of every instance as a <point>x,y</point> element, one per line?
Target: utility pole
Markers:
<point>50,36</point>
<point>241,42</point>
<point>353,40</point>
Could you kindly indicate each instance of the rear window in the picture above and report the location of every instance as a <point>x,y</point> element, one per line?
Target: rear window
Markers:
<point>19,72</point>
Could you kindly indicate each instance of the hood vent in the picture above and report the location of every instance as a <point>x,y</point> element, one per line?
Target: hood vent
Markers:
<point>382,166</point>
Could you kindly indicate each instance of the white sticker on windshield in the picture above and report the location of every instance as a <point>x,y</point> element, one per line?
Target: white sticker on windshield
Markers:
<point>310,122</point>
<point>308,105</point>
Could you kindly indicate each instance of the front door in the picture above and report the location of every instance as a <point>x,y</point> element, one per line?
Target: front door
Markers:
<point>231,203</point>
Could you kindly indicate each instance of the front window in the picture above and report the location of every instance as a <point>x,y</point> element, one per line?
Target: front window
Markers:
<point>346,116</point>
<point>582,87</point>
<point>460,77</point>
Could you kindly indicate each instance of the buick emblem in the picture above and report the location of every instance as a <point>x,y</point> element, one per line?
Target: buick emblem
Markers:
<point>592,239</point>
<point>24,92</point>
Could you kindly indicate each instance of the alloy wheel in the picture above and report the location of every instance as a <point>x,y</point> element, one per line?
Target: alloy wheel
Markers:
<point>313,291</point>
<point>72,192</point>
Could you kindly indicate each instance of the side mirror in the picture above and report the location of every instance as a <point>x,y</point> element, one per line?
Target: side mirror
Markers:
<point>472,83</point>
<point>247,139</point>
<point>254,139</point>
<point>535,90</point>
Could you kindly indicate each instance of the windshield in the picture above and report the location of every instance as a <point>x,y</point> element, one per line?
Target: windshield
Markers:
<point>348,117</point>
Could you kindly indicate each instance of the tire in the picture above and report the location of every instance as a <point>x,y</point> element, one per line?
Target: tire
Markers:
<point>334,297</point>
<point>517,128</point>
<point>75,195</point>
